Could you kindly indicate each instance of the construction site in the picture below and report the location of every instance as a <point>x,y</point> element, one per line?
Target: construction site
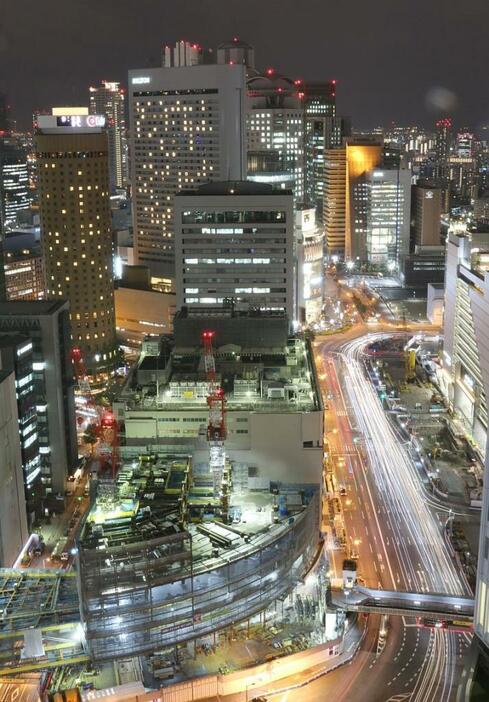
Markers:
<point>190,532</point>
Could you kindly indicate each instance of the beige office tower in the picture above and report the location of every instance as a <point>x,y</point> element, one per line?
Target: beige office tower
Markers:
<point>72,157</point>
<point>427,215</point>
<point>334,210</point>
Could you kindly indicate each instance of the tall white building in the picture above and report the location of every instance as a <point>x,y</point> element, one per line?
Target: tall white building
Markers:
<point>388,193</point>
<point>466,264</point>
<point>109,99</point>
<point>310,265</point>
<point>187,128</point>
<point>235,241</point>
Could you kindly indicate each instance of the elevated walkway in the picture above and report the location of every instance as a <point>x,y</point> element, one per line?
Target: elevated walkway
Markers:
<point>414,604</point>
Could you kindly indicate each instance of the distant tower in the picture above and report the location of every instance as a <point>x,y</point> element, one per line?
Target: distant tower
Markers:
<point>72,157</point>
<point>442,141</point>
<point>108,99</point>
<point>236,51</point>
<point>4,115</point>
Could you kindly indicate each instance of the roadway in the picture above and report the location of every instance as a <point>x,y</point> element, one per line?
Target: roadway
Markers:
<point>395,530</point>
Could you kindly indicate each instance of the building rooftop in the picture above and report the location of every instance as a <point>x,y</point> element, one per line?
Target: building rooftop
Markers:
<point>235,187</point>
<point>253,376</point>
<point>30,308</point>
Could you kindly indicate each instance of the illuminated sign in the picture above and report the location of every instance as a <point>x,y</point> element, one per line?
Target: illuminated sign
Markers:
<point>429,195</point>
<point>80,121</point>
<point>141,80</point>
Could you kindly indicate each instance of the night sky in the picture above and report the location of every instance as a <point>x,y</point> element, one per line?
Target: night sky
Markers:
<point>393,59</point>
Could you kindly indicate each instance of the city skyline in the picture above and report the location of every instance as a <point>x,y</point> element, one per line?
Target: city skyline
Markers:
<point>409,74</point>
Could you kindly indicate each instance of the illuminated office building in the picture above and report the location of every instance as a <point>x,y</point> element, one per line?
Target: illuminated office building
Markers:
<point>427,214</point>
<point>388,192</point>
<point>14,181</point>
<point>345,195</point>
<point>16,355</point>
<point>234,241</point>
<point>187,128</point>
<point>109,99</point>
<point>24,269</point>
<point>46,324</point>
<point>275,132</point>
<point>323,130</point>
<point>310,265</point>
<point>72,156</point>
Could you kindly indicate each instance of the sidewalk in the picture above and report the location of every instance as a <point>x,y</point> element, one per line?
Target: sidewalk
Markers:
<point>351,644</point>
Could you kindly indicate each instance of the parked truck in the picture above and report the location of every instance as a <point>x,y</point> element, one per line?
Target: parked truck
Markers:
<point>349,573</point>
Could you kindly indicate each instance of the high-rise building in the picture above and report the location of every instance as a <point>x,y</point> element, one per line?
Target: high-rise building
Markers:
<point>16,356</point>
<point>322,130</point>
<point>185,54</point>
<point>72,156</point>
<point>4,115</point>
<point>234,243</point>
<point>109,99</point>
<point>310,265</point>
<point>24,274</point>
<point>345,195</point>
<point>334,211</point>
<point>14,181</point>
<point>426,200</point>
<point>443,137</point>
<point>466,362</point>
<point>275,132</point>
<point>467,263</point>
<point>187,128</point>
<point>465,144</point>
<point>388,192</point>
<point>13,519</point>
<point>47,325</point>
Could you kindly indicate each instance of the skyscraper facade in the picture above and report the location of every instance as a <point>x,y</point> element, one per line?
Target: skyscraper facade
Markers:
<point>275,132</point>
<point>14,181</point>
<point>234,243</point>
<point>345,195</point>
<point>46,324</point>
<point>72,156</point>
<point>187,128</point>
<point>322,130</point>
<point>109,99</point>
<point>388,202</point>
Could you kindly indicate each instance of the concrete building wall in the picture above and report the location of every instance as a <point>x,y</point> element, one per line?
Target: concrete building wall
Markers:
<point>13,516</point>
<point>242,247</point>
<point>288,445</point>
<point>139,313</point>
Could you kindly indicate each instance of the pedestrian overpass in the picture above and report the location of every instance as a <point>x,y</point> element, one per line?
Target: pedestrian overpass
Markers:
<point>408,604</point>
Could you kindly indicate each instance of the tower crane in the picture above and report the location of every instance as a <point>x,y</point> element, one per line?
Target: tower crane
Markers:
<point>216,427</point>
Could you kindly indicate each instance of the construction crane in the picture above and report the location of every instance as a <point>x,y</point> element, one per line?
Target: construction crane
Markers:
<point>104,421</point>
<point>216,427</point>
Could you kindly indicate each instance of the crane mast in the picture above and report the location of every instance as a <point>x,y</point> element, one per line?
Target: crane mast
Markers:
<point>216,426</point>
